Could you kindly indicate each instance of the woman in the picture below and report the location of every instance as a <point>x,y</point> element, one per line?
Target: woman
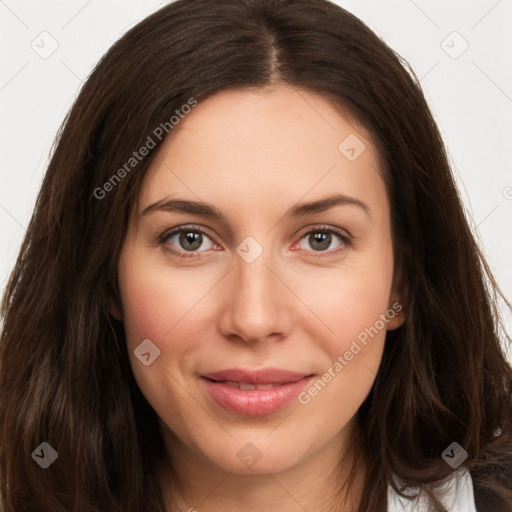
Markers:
<point>248,284</point>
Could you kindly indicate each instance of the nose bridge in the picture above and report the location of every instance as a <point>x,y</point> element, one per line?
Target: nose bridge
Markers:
<point>256,307</point>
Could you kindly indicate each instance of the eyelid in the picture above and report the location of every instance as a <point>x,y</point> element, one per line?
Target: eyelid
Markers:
<point>343,234</point>
<point>347,239</point>
<point>164,237</point>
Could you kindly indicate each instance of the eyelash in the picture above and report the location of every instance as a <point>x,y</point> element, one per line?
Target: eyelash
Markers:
<point>345,238</point>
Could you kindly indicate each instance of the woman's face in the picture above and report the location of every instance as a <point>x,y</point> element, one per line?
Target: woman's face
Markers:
<point>269,284</point>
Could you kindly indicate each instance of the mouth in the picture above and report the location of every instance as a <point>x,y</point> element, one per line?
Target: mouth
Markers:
<point>246,386</point>
<point>254,392</point>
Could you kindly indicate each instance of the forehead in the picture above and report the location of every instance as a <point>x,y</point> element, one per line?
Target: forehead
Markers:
<point>255,149</point>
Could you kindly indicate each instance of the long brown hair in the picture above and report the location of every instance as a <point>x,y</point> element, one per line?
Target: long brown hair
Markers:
<point>65,376</point>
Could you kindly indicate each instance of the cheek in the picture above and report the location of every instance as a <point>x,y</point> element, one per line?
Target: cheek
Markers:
<point>355,306</point>
<point>156,301</point>
<point>352,300</point>
<point>354,313</point>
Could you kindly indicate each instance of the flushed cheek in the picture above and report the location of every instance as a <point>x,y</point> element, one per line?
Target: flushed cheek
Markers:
<point>356,349</point>
<point>156,303</point>
<point>343,384</point>
<point>153,310</point>
<point>349,304</point>
<point>354,346</point>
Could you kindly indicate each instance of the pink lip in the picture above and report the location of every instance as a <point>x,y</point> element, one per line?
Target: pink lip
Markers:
<point>254,402</point>
<point>264,376</point>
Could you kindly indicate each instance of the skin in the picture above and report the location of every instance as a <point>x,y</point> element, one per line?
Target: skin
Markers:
<point>253,154</point>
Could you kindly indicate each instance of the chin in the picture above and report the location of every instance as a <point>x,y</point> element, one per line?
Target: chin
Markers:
<point>254,457</point>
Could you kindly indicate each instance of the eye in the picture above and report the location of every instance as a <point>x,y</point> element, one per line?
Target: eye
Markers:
<point>322,238</point>
<point>188,239</point>
<point>185,239</point>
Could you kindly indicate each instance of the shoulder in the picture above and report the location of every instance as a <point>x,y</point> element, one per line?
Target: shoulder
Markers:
<point>456,494</point>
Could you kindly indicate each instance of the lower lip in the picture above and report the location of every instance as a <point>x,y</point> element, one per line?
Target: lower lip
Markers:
<point>254,402</point>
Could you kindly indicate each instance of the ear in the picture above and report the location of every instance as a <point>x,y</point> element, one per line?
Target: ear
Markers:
<point>115,311</point>
<point>395,314</point>
<point>396,306</point>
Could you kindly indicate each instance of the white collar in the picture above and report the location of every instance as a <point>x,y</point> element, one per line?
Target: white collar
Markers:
<point>456,495</point>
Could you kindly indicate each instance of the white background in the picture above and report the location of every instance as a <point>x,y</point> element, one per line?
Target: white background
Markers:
<point>470,95</point>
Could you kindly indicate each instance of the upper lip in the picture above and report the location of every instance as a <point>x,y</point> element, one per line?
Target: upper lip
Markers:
<point>263,376</point>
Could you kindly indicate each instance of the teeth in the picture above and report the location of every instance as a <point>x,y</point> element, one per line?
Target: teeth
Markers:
<point>245,386</point>
<point>262,386</point>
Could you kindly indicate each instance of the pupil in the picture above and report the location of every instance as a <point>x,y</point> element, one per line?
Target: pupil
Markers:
<point>193,239</point>
<point>323,240</point>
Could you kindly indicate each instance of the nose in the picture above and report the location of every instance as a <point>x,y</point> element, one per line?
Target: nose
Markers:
<point>257,304</point>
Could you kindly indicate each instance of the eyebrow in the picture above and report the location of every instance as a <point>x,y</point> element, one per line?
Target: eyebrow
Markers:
<point>298,210</point>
